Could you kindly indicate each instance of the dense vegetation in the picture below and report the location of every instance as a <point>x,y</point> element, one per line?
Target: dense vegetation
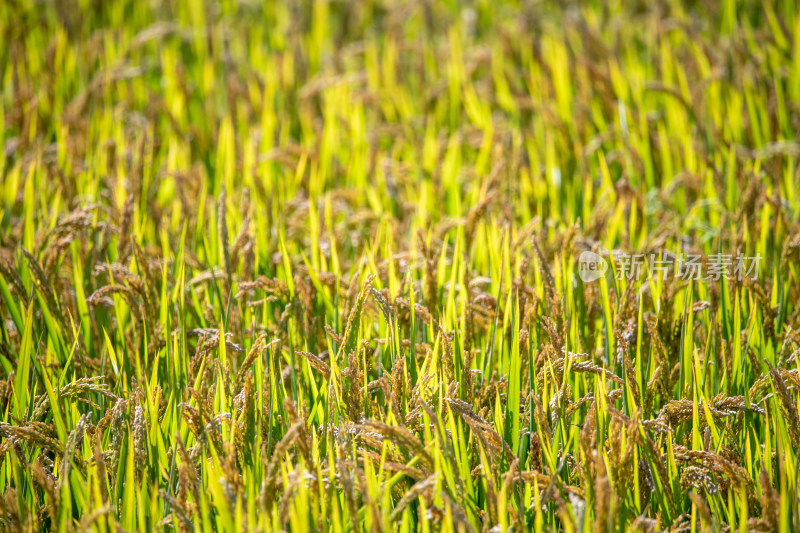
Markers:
<point>316,265</point>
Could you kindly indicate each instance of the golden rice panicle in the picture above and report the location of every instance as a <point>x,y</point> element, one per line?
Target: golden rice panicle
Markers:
<point>125,230</point>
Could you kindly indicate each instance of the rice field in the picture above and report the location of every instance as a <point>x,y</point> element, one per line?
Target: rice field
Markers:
<point>460,266</point>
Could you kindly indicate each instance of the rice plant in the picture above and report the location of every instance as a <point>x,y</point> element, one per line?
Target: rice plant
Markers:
<point>399,266</point>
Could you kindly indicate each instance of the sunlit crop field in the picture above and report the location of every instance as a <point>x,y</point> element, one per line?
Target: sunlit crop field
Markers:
<point>399,266</point>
